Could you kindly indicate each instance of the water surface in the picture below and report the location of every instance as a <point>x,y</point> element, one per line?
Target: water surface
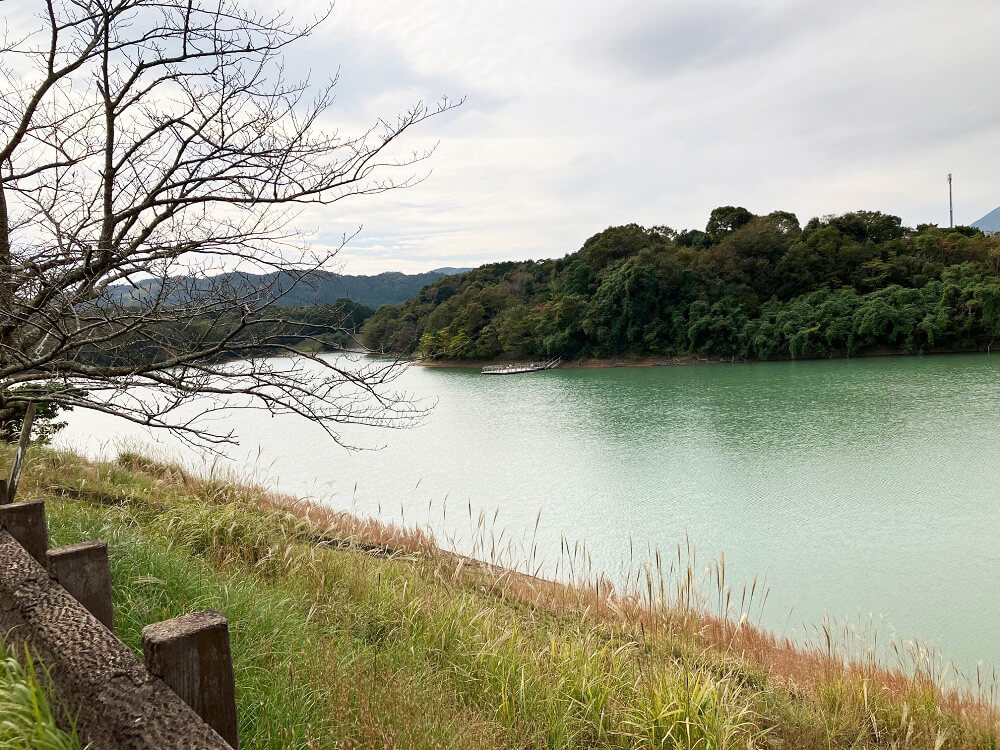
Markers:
<point>860,488</point>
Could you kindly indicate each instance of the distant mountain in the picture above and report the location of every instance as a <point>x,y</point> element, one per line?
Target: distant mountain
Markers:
<point>321,288</point>
<point>989,223</point>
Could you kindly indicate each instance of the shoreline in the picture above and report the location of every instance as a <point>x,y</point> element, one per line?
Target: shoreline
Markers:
<point>588,363</point>
<point>595,363</point>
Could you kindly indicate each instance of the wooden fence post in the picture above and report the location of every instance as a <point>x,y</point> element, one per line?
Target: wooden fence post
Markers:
<point>83,570</point>
<point>191,653</point>
<point>26,523</point>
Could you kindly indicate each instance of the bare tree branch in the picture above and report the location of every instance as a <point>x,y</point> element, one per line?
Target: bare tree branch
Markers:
<point>145,147</point>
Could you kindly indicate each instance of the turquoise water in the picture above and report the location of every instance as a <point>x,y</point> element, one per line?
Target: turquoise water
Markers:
<point>864,489</point>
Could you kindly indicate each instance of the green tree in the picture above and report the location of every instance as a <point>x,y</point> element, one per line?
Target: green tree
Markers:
<point>44,426</point>
<point>726,219</point>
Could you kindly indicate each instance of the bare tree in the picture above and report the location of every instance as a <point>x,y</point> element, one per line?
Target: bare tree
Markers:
<point>155,143</point>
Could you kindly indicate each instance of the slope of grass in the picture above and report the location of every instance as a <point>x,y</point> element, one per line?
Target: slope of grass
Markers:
<point>346,633</point>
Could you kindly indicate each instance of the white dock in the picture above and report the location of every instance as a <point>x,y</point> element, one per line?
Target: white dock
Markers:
<point>516,368</point>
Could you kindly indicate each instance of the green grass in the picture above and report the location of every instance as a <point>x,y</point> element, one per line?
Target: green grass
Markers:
<point>27,721</point>
<point>351,646</point>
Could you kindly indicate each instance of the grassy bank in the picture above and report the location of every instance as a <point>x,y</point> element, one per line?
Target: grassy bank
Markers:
<point>27,719</point>
<point>347,633</point>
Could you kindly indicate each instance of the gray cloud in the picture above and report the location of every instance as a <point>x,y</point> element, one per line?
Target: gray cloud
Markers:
<point>367,67</point>
<point>670,40</point>
<point>582,114</point>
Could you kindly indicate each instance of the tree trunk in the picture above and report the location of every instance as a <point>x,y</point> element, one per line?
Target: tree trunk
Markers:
<point>22,449</point>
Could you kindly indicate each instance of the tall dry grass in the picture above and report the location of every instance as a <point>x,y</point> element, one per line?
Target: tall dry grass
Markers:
<point>351,633</point>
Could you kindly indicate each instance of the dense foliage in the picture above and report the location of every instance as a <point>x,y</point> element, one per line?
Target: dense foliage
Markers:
<point>748,286</point>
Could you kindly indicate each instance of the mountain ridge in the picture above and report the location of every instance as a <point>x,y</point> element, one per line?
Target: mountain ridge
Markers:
<point>989,223</point>
<point>320,288</point>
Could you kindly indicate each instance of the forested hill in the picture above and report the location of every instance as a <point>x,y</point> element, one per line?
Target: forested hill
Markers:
<point>759,287</point>
<point>321,288</point>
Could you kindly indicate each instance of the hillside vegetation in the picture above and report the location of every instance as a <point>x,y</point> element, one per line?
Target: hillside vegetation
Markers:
<point>756,287</point>
<point>286,290</point>
<point>350,634</point>
<point>315,328</point>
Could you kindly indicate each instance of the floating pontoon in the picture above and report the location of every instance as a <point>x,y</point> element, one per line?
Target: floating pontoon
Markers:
<point>516,368</point>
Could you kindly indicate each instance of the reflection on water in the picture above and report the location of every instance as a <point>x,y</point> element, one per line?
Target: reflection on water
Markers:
<point>855,485</point>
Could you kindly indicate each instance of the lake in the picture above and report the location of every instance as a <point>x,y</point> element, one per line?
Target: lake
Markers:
<point>864,489</point>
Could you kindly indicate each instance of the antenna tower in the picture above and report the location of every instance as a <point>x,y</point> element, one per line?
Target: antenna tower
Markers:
<point>951,206</point>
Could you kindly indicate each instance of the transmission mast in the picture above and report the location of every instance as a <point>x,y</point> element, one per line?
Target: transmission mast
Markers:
<point>951,206</point>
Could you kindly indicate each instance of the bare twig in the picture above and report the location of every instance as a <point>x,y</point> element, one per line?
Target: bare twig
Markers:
<point>146,146</point>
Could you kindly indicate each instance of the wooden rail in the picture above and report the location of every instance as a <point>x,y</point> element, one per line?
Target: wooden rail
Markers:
<point>59,603</point>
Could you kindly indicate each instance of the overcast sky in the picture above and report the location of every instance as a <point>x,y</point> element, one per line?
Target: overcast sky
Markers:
<point>579,115</point>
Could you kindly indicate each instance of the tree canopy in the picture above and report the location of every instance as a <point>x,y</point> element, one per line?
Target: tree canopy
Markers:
<point>760,287</point>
